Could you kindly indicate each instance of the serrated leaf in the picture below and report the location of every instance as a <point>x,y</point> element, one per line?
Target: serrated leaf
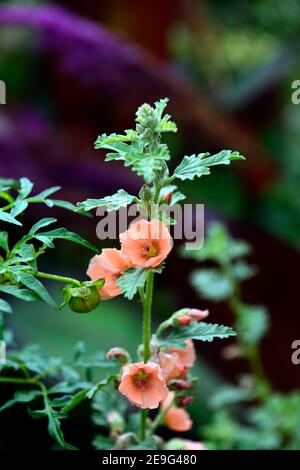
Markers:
<point>112,203</point>
<point>200,331</point>
<point>4,241</point>
<point>196,166</point>
<point>212,284</point>
<point>5,217</point>
<point>131,281</point>
<point>35,285</point>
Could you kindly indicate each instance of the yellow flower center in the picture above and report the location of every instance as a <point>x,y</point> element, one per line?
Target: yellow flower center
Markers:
<point>141,379</point>
<point>150,251</point>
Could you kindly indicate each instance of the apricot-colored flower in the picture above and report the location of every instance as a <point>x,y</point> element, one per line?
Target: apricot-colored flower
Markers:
<point>109,265</point>
<point>146,244</point>
<point>176,418</point>
<point>143,384</point>
<point>175,363</point>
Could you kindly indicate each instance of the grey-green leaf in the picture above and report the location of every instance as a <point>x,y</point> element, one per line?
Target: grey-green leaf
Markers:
<point>5,217</point>
<point>112,203</point>
<point>198,165</point>
<point>198,331</point>
<point>131,281</point>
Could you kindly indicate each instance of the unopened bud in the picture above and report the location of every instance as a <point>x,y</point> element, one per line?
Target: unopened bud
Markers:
<point>197,315</point>
<point>179,385</point>
<point>116,423</point>
<point>154,345</point>
<point>183,320</point>
<point>167,198</point>
<point>120,354</point>
<point>184,402</point>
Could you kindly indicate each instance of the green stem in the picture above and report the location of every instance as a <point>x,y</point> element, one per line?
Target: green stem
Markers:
<point>147,338</point>
<point>14,380</point>
<point>147,315</point>
<point>54,277</point>
<point>160,417</point>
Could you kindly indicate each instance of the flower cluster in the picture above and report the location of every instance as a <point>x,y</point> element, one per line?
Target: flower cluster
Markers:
<point>145,384</point>
<point>144,245</point>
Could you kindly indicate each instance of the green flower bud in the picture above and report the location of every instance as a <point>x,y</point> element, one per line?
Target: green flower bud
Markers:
<point>84,299</point>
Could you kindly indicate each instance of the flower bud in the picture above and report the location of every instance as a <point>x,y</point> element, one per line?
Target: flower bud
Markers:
<point>120,354</point>
<point>167,198</point>
<point>184,402</point>
<point>177,384</point>
<point>116,423</point>
<point>183,320</point>
<point>197,315</point>
<point>83,299</point>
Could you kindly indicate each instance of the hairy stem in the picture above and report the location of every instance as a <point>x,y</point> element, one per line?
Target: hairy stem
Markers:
<point>147,338</point>
<point>160,417</point>
<point>54,277</point>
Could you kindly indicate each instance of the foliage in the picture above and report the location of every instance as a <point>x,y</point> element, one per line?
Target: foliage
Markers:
<point>55,388</point>
<point>271,422</point>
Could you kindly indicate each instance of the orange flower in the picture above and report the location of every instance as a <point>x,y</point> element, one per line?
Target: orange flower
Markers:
<point>175,363</point>
<point>110,265</point>
<point>143,384</point>
<point>146,244</point>
<point>176,418</point>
